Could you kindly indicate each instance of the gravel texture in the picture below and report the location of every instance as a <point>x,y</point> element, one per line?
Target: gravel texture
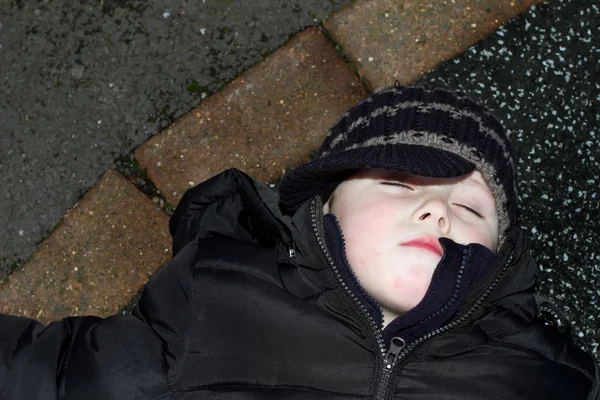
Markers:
<point>540,76</point>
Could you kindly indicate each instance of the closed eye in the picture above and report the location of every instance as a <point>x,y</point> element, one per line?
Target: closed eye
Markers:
<point>469,209</point>
<point>396,183</point>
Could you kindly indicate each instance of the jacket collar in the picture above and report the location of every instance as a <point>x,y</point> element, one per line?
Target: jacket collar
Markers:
<point>513,272</point>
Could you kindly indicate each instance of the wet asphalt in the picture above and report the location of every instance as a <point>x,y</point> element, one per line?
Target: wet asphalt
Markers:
<point>83,85</point>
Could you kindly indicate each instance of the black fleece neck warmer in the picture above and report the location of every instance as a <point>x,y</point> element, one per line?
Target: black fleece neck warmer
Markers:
<point>459,267</point>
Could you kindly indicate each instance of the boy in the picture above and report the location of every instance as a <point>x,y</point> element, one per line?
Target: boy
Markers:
<point>390,266</point>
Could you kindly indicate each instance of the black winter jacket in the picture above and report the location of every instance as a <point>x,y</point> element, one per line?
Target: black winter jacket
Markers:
<point>251,307</point>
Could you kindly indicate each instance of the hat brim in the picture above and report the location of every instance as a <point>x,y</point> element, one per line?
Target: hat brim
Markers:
<point>317,176</point>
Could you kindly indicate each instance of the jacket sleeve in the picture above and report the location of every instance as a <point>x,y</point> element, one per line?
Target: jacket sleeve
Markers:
<point>78,357</point>
<point>595,389</point>
<point>119,357</point>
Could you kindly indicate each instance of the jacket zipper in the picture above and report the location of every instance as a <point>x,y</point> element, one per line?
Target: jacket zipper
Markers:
<point>390,356</point>
<point>389,361</point>
<point>398,349</point>
<point>372,324</point>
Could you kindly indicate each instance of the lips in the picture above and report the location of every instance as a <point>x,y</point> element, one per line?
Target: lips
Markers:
<point>428,243</point>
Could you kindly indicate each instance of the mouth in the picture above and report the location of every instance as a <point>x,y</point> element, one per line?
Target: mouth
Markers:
<point>428,243</point>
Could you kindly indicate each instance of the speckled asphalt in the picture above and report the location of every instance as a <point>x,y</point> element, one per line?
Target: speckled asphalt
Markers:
<point>84,85</point>
<point>540,75</point>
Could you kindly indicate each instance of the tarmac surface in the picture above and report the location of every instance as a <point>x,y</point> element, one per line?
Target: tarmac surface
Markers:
<point>84,84</point>
<point>540,74</point>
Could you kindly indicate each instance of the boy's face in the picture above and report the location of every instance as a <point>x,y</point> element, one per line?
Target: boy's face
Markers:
<point>391,223</point>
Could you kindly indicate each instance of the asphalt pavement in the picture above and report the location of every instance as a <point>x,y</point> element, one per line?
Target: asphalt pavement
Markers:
<point>82,84</point>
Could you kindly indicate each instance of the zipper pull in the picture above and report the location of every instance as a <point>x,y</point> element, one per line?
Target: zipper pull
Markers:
<point>396,346</point>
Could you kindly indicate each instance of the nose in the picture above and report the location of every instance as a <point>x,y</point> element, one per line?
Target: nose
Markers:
<point>434,211</point>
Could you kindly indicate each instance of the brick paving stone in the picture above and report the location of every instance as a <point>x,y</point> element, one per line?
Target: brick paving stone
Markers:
<point>266,121</point>
<point>390,40</point>
<point>97,258</point>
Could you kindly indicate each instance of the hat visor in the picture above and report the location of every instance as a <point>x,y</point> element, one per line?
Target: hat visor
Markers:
<point>317,176</point>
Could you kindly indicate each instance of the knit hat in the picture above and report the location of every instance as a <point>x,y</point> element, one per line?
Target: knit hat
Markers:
<point>430,133</point>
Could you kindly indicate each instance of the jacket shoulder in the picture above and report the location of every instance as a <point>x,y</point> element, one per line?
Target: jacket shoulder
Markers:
<point>226,205</point>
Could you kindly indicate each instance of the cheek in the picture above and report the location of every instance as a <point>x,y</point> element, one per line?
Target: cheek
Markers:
<point>361,246</point>
<point>409,288</point>
<point>365,235</point>
<point>415,279</point>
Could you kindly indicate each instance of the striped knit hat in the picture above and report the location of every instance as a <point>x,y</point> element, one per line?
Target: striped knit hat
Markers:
<point>431,133</point>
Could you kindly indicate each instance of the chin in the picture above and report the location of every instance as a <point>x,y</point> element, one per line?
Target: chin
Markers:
<point>408,307</point>
<point>415,297</point>
<point>400,308</point>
